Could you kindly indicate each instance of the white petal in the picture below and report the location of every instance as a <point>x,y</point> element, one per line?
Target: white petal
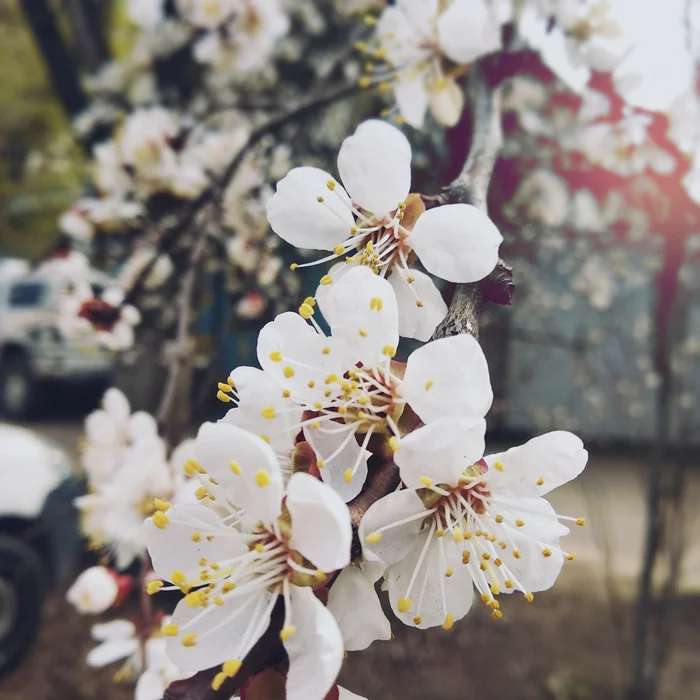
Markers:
<point>345,694</point>
<point>149,686</point>
<point>468,29</point>
<point>432,608</point>
<point>556,458</point>
<point>421,14</point>
<point>258,393</point>
<point>456,242</point>
<point>111,651</point>
<point>142,426</point>
<point>173,549</point>
<point>296,215</point>
<point>396,541</point>
<point>101,427</point>
<point>541,528</point>
<point>335,273</point>
<point>94,591</point>
<point>220,629</point>
<point>363,315</point>
<point>304,359</point>
<point>325,444</point>
<point>114,629</point>
<point>417,322</point>
<point>315,650</point>
<point>412,99</point>
<point>357,610</point>
<point>375,166</point>
<point>446,102</point>
<point>117,405</point>
<point>321,529</point>
<point>448,377</point>
<point>256,484</point>
<point>441,450</point>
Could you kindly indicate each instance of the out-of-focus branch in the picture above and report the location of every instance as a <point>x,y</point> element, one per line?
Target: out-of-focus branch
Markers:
<point>471,187</point>
<point>212,194</point>
<point>180,356</point>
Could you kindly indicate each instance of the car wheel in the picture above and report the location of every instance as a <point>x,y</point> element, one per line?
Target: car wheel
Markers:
<point>16,387</point>
<point>21,600</point>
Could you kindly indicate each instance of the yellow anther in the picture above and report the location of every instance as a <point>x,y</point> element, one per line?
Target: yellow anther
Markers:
<point>491,538</point>
<point>178,577</point>
<point>353,230</point>
<point>540,481</point>
<point>342,410</point>
<point>315,425</point>
<point>326,280</point>
<point>457,535</point>
<point>508,583</point>
<point>262,478</point>
<point>311,384</point>
<point>152,587</point>
<point>580,521</point>
<point>169,630</point>
<point>160,519</point>
<point>428,384</point>
<point>228,586</point>
<point>394,443</point>
<point>486,556</point>
<point>330,185</point>
<point>214,566</point>
<point>570,557</point>
<point>310,301</point>
<point>235,467</point>
<point>496,614</point>
<point>419,303</point>
<point>226,388</point>
<point>449,572</point>
<point>546,552</point>
<point>486,598</point>
<point>264,437</point>
<point>218,681</point>
<point>498,466</point>
<point>269,412</point>
<point>389,350</point>
<point>201,493</point>
<point>218,600</point>
<point>189,640</point>
<point>348,475</point>
<point>370,20</point>
<point>230,382</point>
<point>483,566</point>
<point>339,249</point>
<point>287,632</point>
<point>497,562</point>
<point>519,522</point>
<point>400,119</point>
<point>202,561</point>
<point>259,548</point>
<point>222,397</point>
<point>191,467</point>
<point>326,351</point>
<point>529,597</point>
<point>286,393</point>
<point>293,266</point>
<point>364,81</point>
<point>499,518</point>
<point>361,415</point>
<point>373,537</point>
<point>494,604</point>
<point>276,356</point>
<point>363,400</point>
<point>306,311</point>
<point>363,333</point>
<point>330,379</point>
<point>161,505</point>
<point>193,599</point>
<point>376,304</point>
<point>288,372</point>
<point>360,46</point>
<point>449,621</point>
<point>467,535</point>
<point>417,620</point>
<point>320,576</point>
<point>502,545</point>
<point>320,199</point>
<point>426,481</point>
<point>404,604</point>
<point>516,554</point>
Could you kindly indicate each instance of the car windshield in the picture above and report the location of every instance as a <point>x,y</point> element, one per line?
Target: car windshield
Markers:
<point>26,295</point>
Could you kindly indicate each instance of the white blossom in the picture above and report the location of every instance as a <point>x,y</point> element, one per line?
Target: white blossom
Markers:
<point>94,591</point>
<point>381,226</point>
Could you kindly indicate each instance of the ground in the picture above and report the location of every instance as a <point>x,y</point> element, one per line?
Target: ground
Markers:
<point>571,643</point>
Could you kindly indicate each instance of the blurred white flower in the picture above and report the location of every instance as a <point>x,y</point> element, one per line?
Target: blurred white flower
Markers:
<point>94,591</point>
<point>416,38</point>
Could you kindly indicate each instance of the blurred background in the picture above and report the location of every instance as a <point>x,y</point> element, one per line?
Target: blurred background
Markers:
<point>596,204</point>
